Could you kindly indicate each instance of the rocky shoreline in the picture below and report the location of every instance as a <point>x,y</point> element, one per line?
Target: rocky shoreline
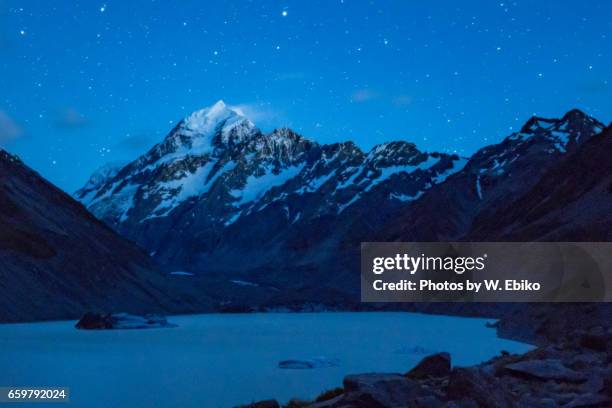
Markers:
<point>121,321</point>
<point>571,367</point>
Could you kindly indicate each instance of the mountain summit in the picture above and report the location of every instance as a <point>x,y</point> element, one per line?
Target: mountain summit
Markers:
<point>215,127</point>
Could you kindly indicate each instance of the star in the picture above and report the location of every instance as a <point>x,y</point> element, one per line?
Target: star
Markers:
<point>22,32</point>
<point>103,8</point>
<point>284,13</point>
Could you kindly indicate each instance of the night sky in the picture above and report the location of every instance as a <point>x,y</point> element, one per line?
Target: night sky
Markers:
<point>83,83</point>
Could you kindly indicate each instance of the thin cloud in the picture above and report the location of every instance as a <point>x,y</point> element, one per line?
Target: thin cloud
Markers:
<point>402,100</point>
<point>259,113</point>
<point>70,118</point>
<point>9,129</point>
<point>363,95</point>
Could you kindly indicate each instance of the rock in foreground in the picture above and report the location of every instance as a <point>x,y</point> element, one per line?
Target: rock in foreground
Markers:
<point>560,374</point>
<point>435,365</point>
<point>107,321</point>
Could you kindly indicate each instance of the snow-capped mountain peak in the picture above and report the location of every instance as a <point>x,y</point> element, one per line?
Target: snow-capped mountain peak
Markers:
<point>562,134</point>
<point>216,126</point>
<point>217,159</point>
<point>214,118</point>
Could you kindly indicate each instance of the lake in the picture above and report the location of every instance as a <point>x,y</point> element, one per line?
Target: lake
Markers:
<point>219,360</point>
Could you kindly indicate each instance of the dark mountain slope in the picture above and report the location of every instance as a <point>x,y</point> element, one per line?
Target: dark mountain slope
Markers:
<point>572,201</point>
<point>58,261</point>
<point>494,177</point>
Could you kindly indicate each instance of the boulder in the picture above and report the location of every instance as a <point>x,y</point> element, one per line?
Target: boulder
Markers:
<point>551,369</point>
<point>596,339</point>
<point>475,388</point>
<point>105,321</point>
<point>356,400</point>
<point>384,390</point>
<point>435,365</point>
<point>589,400</point>
<point>95,321</point>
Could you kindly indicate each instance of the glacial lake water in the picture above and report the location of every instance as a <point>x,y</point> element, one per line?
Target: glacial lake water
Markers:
<point>222,360</point>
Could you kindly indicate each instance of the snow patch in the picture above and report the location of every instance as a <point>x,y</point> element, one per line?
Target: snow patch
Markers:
<point>181,273</point>
<point>349,203</point>
<point>387,172</point>
<point>458,165</point>
<point>127,204</point>
<point>478,187</point>
<point>406,197</point>
<point>189,185</point>
<point>257,186</point>
<point>349,181</point>
<point>296,218</point>
<point>320,181</point>
<point>561,139</point>
<point>233,219</point>
<point>244,283</point>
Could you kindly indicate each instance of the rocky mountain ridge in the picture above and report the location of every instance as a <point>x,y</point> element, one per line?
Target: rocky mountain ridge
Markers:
<point>285,215</point>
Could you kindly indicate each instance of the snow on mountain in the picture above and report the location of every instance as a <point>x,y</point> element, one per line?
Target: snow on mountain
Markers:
<point>571,202</point>
<point>538,141</point>
<point>97,179</point>
<point>217,192</point>
<point>203,130</point>
<point>257,185</point>
<point>218,155</point>
<point>562,133</point>
<point>494,177</point>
